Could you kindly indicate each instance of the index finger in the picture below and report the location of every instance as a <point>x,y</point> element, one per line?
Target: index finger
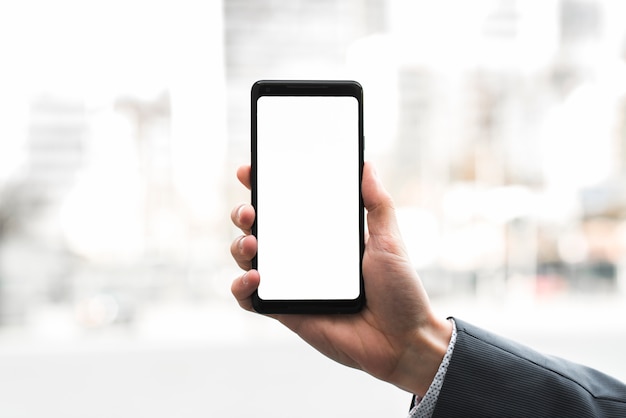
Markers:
<point>243,174</point>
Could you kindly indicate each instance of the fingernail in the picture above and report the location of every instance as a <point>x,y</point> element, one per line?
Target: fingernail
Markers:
<point>244,279</point>
<point>240,243</point>
<point>239,211</point>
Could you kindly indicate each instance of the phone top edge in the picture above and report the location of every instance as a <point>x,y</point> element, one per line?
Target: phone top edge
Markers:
<point>306,82</point>
<point>307,88</point>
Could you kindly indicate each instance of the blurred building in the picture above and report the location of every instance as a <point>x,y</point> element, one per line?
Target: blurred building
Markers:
<point>306,40</point>
<point>34,264</point>
<point>499,127</point>
<point>55,147</point>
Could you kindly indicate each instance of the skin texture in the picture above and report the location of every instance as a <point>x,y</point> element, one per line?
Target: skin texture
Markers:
<point>396,337</point>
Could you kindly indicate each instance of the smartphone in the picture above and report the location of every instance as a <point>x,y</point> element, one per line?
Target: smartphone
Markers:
<point>307,164</point>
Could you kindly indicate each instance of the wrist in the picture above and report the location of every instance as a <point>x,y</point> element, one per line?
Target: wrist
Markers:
<point>423,355</point>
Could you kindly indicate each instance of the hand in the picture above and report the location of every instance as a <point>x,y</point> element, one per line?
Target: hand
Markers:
<point>396,337</point>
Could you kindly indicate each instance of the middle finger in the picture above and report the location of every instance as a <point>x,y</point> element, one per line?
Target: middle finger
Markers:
<point>243,250</point>
<point>243,217</point>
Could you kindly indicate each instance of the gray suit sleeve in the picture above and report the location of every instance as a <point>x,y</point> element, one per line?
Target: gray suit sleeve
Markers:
<point>490,376</point>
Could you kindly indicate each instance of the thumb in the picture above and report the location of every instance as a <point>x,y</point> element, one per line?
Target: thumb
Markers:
<point>381,216</point>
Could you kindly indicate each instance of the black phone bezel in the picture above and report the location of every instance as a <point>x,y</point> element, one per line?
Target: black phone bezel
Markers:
<point>309,88</point>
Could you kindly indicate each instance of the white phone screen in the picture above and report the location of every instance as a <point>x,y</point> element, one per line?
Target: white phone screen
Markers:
<point>308,197</point>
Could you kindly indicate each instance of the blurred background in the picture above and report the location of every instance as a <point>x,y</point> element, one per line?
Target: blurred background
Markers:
<point>499,126</point>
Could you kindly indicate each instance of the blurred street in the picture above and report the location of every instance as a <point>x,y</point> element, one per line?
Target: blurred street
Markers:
<point>226,363</point>
<point>219,372</point>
